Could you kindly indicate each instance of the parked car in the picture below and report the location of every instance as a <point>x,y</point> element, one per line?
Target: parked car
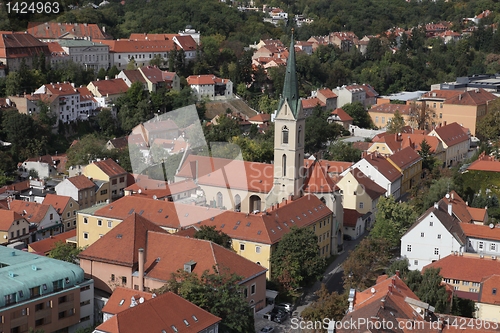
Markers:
<point>280,317</point>
<point>267,329</point>
<point>347,237</point>
<point>284,306</point>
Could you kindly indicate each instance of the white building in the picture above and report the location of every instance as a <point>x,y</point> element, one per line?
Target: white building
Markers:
<point>363,93</point>
<point>211,87</point>
<point>91,55</point>
<point>482,239</point>
<point>436,234</point>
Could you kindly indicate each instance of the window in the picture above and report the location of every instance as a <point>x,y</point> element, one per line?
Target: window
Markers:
<point>480,245</point>
<point>475,284</point>
<point>361,205</point>
<point>85,235</point>
<point>245,292</point>
<point>436,251</point>
<point>242,247</point>
<point>456,281</point>
<point>439,236</point>
<point>122,179</point>
<point>440,115</point>
<point>99,223</point>
<point>283,165</point>
<point>103,192</point>
<point>68,214</point>
<point>494,291</point>
<point>124,280</point>
<point>85,220</point>
<point>493,247</point>
<point>473,290</point>
<point>383,120</point>
<point>112,277</point>
<point>408,248</point>
<point>252,289</point>
<point>110,224</point>
<point>465,283</point>
<point>415,262</point>
<point>431,224</point>
<point>422,234</point>
<point>284,135</point>
<point>376,120</point>
<point>257,249</point>
<point>113,182</point>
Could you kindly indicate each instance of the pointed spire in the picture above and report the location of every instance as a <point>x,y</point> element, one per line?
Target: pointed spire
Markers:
<point>291,86</point>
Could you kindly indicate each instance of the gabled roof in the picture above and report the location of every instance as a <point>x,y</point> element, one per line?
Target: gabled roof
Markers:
<point>481,231</point>
<point>383,166</point>
<point>59,202</point>
<point>121,244</point>
<point>371,188</point>
<point>187,43</point>
<point>121,297</point>
<point>204,80</point>
<point>391,109</point>
<point>467,267</point>
<point>19,45</point>
<point>393,141</point>
<point>351,217</point>
<point>46,245</point>
<point>474,97</point>
<point>327,93</point>
<point>343,116</point>
<point>261,117</point>
<point>33,212</point>
<point>146,36</point>
<point>451,134</point>
<point>110,87</point>
<point>151,187</point>
<point>459,208</point>
<point>161,314</point>
<point>119,143</point>
<point>335,167</point>
<point>485,163</point>
<point>85,94</point>
<point>134,75</point>
<point>488,285</point>
<point>110,167</point>
<point>270,226</point>
<point>7,218</point>
<point>405,158</point>
<point>151,73</point>
<point>416,140</point>
<point>440,94</point>
<point>81,182</point>
<point>54,30</point>
<point>318,180</point>
<point>139,46</point>
<point>312,102</point>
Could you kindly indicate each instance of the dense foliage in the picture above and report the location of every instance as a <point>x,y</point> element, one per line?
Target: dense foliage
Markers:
<point>216,236</point>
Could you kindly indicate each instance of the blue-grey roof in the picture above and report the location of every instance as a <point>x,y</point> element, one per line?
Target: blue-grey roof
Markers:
<point>21,271</point>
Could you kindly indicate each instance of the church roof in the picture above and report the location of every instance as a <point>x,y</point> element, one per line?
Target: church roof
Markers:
<point>290,87</point>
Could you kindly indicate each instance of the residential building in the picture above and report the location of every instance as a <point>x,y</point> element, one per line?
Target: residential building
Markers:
<point>456,142</point>
<point>156,129</point>
<point>90,54</point>
<point>340,117</point>
<point>185,41</point>
<point>117,143</point>
<point>44,246</point>
<point>44,294</point>
<point>172,80</point>
<point>464,213</point>
<point>107,91</point>
<point>465,272</point>
<point>13,228</point>
<point>328,97</point>
<point>58,56</point>
<point>482,239</point>
<point>362,93</point>
<point>210,87</point>
<point>131,76</point>
<point>79,188</point>
<point>256,236</point>
<point>54,31</point>
<point>344,40</point>
<point>485,167</point>
<point>109,171</point>
<point>138,243</point>
<point>147,316</point>
<point>153,77</point>
<point>354,225</point>
<point>310,104</point>
<point>382,114</point>
<point>409,163</point>
<point>121,300</point>
<point>434,235</point>
<point>16,47</point>
<point>66,207</point>
<point>44,220</point>
<point>488,303</point>
<point>44,166</point>
<point>162,190</point>
<point>381,171</point>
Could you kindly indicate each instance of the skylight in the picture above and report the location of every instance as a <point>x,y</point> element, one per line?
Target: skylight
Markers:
<point>186,322</point>
<point>131,211</point>
<point>174,328</point>
<point>222,225</point>
<point>194,317</point>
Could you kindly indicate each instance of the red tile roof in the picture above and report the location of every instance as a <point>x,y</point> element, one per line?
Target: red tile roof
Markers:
<point>466,267</point>
<point>392,141</point>
<point>204,80</point>
<point>342,114</point>
<point>335,167</point>
<point>161,189</point>
<point>416,140</point>
<point>481,231</point>
<point>187,43</point>
<point>153,74</point>
<point>459,208</point>
<point>110,87</point>
<point>486,294</point>
<point>60,89</point>
<point>270,226</point>
<point>327,93</point>
<point>371,188</point>
<point>383,166</point>
<point>485,163</point>
<point>110,167</point>
<point>20,45</point>
<point>146,36</point>
<point>85,94</point>
<point>160,314</point>
<point>81,182</point>
<point>471,97</point>
<point>54,30</point>
<point>7,218</point>
<point>405,158</point>
<point>391,109</point>
<point>139,46</point>
<point>318,180</point>
<point>120,143</point>
<point>451,134</point>
<point>59,202</point>
<point>121,297</point>
<point>261,117</point>
<point>440,94</point>
<point>33,212</point>
<point>44,246</point>
<point>351,217</point>
<point>310,103</point>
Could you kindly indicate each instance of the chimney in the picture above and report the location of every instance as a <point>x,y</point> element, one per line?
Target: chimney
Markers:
<point>450,209</point>
<point>382,303</point>
<point>397,272</point>
<point>436,205</point>
<point>141,269</point>
<point>452,196</point>
<point>444,123</point>
<point>390,288</point>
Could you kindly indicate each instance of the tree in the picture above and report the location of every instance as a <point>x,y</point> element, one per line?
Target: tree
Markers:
<point>156,61</point>
<point>428,161</point>
<point>463,307</point>
<point>216,236</point>
<point>421,116</point>
<point>343,151</point>
<point>107,122</point>
<point>101,74</point>
<point>328,305</point>
<point>113,71</point>
<point>218,293</point>
<point>88,148</point>
<point>131,64</point>
<point>392,220</point>
<point>396,123</point>
<point>296,260</point>
<point>359,115</point>
<point>488,127</point>
<point>319,132</point>
<point>65,252</point>
<point>432,291</point>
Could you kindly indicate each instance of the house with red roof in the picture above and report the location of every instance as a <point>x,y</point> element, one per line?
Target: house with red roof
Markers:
<point>345,40</point>
<point>44,166</point>
<point>363,93</point>
<point>79,188</point>
<point>146,314</point>
<point>456,141</point>
<point>121,300</point>
<point>211,87</point>
<point>15,46</point>
<point>488,303</point>
<point>382,114</point>
<point>58,55</point>
<point>354,224</point>
<point>52,31</point>
<point>340,117</point>
<point>13,228</point>
<point>107,91</point>
<point>44,246</point>
<point>409,163</point>
<point>44,220</point>
<point>183,41</point>
<point>311,103</point>
<point>65,206</point>
<point>107,170</point>
<point>162,190</point>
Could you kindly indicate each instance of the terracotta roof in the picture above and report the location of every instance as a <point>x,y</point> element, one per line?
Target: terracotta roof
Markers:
<point>481,231</point>
<point>54,30</point>
<point>44,246</point>
<point>161,189</point>
<point>383,166</point>
<point>153,74</point>
<point>150,317</point>
<point>471,97</point>
<point>33,212</point>
<point>361,145</point>
<point>187,232</point>
<point>310,103</point>
<point>110,167</point>
<point>204,80</point>
<point>47,159</point>
<point>261,117</point>
<point>318,180</point>
<point>121,244</point>
<point>327,93</point>
<point>392,141</point>
<point>121,297</point>
<point>19,187</point>
<point>7,218</point>
<point>81,182</point>
<point>134,75</point>
<point>451,134</point>
<point>391,109</point>
<point>60,89</point>
<point>343,116</point>
<point>139,46</point>
<point>162,213</point>
<point>489,292</point>
<point>120,143</point>
<point>405,158</point>
<point>20,45</point>
<point>336,167</point>
<point>351,217</point>
<point>459,208</point>
<point>466,268</point>
<point>59,202</point>
<point>478,214</point>
<point>168,76</point>
<point>440,94</point>
<point>55,48</point>
<point>489,164</point>
<point>416,140</point>
<point>270,226</point>
<point>259,176</point>
<point>110,87</point>
<point>146,36</point>
<point>371,188</point>
<point>187,43</point>
<point>85,94</point>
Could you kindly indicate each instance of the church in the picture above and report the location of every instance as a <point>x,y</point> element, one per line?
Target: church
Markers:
<point>252,187</point>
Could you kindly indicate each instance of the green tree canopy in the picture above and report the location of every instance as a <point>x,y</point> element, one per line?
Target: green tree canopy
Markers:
<point>432,291</point>
<point>488,127</point>
<point>359,115</point>
<point>296,260</point>
<point>396,123</point>
<point>65,252</point>
<point>88,148</point>
<point>343,151</point>
<point>327,305</point>
<point>319,131</point>
<point>216,236</point>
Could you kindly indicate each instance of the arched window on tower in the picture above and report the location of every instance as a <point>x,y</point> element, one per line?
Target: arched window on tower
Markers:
<point>283,165</point>
<point>284,135</point>
<point>299,136</point>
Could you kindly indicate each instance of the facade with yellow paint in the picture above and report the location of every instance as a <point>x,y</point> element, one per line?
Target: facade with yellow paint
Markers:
<point>360,192</point>
<point>109,171</point>
<point>409,163</point>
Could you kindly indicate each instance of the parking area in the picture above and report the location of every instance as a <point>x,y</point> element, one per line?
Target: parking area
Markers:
<point>278,328</point>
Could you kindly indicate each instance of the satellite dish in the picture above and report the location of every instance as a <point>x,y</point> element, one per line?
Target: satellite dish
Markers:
<point>373,290</point>
<point>155,197</point>
<point>4,236</point>
<point>492,226</point>
<point>447,196</point>
<point>141,300</point>
<point>419,310</point>
<point>140,191</point>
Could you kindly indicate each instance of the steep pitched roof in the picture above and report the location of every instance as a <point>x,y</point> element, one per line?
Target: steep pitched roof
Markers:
<point>459,207</point>
<point>110,167</point>
<point>151,187</point>
<point>451,134</point>
<point>7,217</point>
<point>54,30</point>
<point>202,79</point>
<point>120,143</point>
<point>480,231</point>
<point>290,92</point>
<point>46,245</point>
<point>371,188</point>
<point>405,158</point>
<point>318,180</point>
<point>343,116</point>
<point>383,166</point>
<point>485,163</point>
<point>440,94</point>
<point>187,43</point>
<point>134,75</point>
<point>59,202</point>
<point>121,244</point>
<point>489,292</point>
<point>81,182</point>
<point>19,44</point>
<point>327,93</point>
<point>110,87</point>
<point>466,267</point>
<point>153,74</point>
<point>471,97</point>
<point>312,102</point>
<point>120,299</point>
<point>150,317</point>
<point>33,212</point>
<point>351,217</point>
<point>261,117</point>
